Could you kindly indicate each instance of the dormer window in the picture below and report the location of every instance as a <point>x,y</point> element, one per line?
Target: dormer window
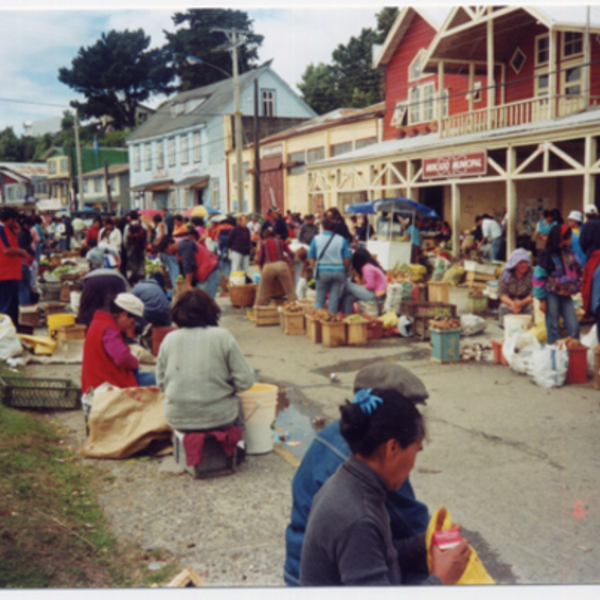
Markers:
<point>572,43</point>
<point>414,71</point>
<point>518,60</point>
<point>193,104</point>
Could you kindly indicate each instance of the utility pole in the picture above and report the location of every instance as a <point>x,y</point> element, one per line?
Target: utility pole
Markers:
<point>108,192</point>
<point>257,203</point>
<point>80,173</point>
<point>236,39</point>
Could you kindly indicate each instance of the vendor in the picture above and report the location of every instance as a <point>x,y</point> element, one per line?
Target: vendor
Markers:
<point>348,538</point>
<point>156,304</point>
<point>542,229</point>
<point>238,242</point>
<point>111,236</point>
<point>98,286</point>
<point>371,285</point>
<point>515,288</point>
<point>201,368</point>
<point>106,356</point>
<point>100,255</point>
<point>413,235</point>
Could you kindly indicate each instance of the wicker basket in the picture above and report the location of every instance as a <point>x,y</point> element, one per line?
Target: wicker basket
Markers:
<point>18,392</point>
<point>242,295</point>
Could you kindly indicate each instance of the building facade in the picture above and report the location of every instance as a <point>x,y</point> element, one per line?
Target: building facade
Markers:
<point>23,183</point>
<point>177,157</point>
<point>96,187</point>
<point>519,136</point>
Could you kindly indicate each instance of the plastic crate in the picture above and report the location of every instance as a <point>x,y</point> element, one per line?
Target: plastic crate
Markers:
<point>30,392</point>
<point>445,345</point>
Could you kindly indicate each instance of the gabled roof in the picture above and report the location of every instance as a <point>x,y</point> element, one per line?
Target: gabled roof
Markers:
<point>25,170</point>
<point>210,99</point>
<point>463,34</point>
<point>402,24</point>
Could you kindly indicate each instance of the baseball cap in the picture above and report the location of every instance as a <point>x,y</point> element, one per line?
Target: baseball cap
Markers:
<point>385,375</point>
<point>590,209</point>
<point>132,304</point>
<point>576,216</point>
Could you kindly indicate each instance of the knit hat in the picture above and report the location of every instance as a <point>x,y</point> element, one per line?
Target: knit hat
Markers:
<point>385,375</point>
<point>130,303</point>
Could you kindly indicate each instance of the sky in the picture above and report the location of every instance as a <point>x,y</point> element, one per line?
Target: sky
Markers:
<point>36,42</point>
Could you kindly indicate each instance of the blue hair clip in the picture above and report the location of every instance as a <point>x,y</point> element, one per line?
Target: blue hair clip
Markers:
<point>367,402</point>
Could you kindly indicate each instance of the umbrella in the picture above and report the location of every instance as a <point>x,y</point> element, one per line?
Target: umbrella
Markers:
<point>200,211</point>
<point>150,212</point>
<point>405,206</point>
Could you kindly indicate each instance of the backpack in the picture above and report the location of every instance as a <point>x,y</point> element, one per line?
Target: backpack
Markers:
<point>136,237</point>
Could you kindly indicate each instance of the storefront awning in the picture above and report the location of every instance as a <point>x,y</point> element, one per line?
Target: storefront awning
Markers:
<point>194,183</point>
<point>272,163</point>
<point>153,186</point>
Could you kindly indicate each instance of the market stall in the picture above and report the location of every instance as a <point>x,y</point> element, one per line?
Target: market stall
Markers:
<point>391,251</point>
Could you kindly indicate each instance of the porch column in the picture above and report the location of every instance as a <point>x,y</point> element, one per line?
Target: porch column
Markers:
<point>491,92</point>
<point>440,94</point>
<point>589,179</point>
<point>511,201</point>
<point>552,72</point>
<point>455,219</point>
<point>410,173</point>
<point>471,86</point>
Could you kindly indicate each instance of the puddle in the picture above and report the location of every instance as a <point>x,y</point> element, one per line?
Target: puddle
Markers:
<point>295,417</point>
<point>349,366</point>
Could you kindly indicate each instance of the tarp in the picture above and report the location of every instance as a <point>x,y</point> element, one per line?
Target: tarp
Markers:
<point>402,206</point>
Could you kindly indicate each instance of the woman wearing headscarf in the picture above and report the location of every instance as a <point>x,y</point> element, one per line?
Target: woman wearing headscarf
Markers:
<point>556,278</point>
<point>515,289</point>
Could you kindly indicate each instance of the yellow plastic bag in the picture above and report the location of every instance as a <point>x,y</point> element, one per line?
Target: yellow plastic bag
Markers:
<point>539,331</point>
<point>418,273</point>
<point>475,573</point>
<point>389,320</point>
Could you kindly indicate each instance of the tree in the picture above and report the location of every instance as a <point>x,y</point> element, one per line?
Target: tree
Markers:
<point>349,81</point>
<point>194,38</point>
<point>116,74</point>
<point>319,88</point>
<point>11,147</point>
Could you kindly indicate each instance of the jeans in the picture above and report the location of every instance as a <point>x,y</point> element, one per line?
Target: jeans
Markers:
<point>170,261</point>
<point>353,292</point>
<point>560,306</point>
<point>24,285</point>
<point>332,282</point>
<point>211,284</point>
<point>239,262</point>
<point>9,299</point>
<point>145,379</point>
<point>496,244</point>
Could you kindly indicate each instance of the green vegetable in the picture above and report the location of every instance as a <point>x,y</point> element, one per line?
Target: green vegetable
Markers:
<point>355,319</point>
<point>180,278</point>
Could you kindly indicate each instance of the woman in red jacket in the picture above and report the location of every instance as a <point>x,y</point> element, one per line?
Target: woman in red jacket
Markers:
<point>106,356</point>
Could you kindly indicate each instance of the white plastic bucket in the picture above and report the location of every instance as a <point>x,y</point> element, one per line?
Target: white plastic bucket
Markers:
<point>260,407</point>
<point>516,324</point>
<point>75,298</point>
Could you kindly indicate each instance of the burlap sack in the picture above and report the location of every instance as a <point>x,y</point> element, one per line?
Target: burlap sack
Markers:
<point>123,422</point>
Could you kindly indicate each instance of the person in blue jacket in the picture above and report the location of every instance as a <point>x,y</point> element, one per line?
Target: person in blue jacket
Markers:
<point>574,221</point>
<point>329,450</point>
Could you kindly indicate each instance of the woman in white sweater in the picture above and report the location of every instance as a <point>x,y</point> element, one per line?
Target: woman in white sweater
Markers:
<point>110,236</point>
<point>201,367</point>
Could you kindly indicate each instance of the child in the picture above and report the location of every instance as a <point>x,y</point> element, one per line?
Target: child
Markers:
<point>306,273</point>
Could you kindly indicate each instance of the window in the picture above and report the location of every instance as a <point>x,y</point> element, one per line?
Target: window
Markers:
<point>572,81</point>
<point>572,43</point>
<point>366,142</point>
<point>428,95</point>
<point>192,104</point>
<point>51,167</point>
<point>542,50</point>
<point>197,147</point>
<point>86,186</point>
<point>97,184</point>
<point>414,112</point>
<point>136,158</point>
<point>541,85</point>
<point>171,143</point>
<point>111,184</point>
<point>160,155</point>
<point>185,154</point>
<point>477,95</point>
<point>315,154</point>
<point>268,103</point>
<point>297,157</point>
<point>414,71</point>
<point>337,149</point>
<point>245,174</point>
<point>11,192</point>
<point>398,116</point>
<point>445,102</point>
<point>64,165</point>
<point>215,193</point>
<point>518,60</point>
<point>148,156</point>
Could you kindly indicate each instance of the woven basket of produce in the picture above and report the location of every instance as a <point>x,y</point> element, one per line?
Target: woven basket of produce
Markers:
<point>242,295</point>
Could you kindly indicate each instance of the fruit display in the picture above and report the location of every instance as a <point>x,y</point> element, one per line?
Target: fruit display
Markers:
<point>292,307</point>
<point>570,343</point>
<point>444,323</point>
<point>323,315</point>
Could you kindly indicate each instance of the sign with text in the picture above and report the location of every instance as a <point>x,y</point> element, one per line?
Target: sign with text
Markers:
<point>272,151</point>
<point>455,165</point>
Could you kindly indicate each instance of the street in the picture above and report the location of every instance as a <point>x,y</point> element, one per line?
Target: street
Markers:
<point>514,463</point>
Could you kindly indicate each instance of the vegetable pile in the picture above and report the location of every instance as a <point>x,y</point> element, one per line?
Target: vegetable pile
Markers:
<point>444,323</point>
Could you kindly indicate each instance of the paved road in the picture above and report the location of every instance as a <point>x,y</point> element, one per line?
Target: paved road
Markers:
<point>516,465</point>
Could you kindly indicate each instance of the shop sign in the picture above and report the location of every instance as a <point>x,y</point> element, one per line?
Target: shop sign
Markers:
<point>188,171</point>
<point>455,165</point>
<point>272,151</point>
<point>160,174</point>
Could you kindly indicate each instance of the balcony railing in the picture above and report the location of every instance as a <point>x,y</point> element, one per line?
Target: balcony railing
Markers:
<point>507,115</point>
